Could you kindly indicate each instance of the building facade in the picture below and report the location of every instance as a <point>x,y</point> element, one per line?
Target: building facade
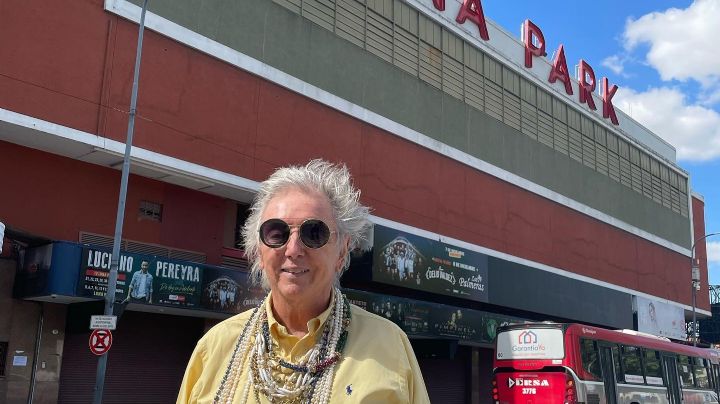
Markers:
<point>502,189</point>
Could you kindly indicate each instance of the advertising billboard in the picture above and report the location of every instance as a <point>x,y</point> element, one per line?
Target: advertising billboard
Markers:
<point>432,320</point>
<point>148,279</point>
<point>416,262</point>
<point>661,319</point>
<point>228,291</point>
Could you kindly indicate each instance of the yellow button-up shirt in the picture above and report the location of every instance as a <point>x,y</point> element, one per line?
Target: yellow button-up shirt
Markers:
<point>378,363</point>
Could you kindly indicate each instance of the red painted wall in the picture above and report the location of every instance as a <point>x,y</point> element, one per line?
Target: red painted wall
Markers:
<point>73,65</point>
<point>698,211</point>
<point>57,197</point>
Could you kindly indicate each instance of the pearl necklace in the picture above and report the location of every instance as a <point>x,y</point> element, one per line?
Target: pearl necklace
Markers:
<point>309,381</point>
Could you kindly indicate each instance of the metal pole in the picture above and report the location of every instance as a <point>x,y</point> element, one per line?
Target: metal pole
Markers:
<point>694,321</point>
<point>38,340</point>
<point>695,283</point>
<point>115,261</point>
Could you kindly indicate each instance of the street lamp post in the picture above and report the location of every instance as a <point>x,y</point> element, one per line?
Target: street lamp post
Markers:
<point>695,267</point>
<point>120,217</point>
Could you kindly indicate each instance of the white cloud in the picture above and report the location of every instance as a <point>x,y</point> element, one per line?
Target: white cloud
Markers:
<point>682,44</point>
<point>710,95</point>
<point>692,129</point>
<point>615,63</point>
<point>713,252</point>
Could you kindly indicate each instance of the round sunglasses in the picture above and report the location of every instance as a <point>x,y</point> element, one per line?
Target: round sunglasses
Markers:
<point>313,233</point>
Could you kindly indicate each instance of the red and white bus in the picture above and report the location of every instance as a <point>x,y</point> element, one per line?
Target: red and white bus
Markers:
<point>547,363</point>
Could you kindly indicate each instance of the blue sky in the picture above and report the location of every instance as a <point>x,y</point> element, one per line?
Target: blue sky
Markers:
<point>663,56</point>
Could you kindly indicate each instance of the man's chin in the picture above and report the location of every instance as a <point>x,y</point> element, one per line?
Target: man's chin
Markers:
<point>298,292</point>
<point>294,290</point>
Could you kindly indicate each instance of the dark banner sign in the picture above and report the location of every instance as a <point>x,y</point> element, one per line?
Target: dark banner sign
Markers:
<point>415,262</point>
<point>148,279</point>
<point>419,318</point>
<point>95,269</point>
<point>223,290</point>
<point>176,283</point>
<point>32,278</point>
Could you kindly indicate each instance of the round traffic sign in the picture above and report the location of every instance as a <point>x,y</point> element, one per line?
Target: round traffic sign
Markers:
<point>100,341</point>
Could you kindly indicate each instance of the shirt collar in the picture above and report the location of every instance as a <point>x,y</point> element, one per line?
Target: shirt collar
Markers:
<point>278,331</point>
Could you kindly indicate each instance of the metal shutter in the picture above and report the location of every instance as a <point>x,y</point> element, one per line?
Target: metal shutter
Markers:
<point>146,364</point>
<point>446,379</point>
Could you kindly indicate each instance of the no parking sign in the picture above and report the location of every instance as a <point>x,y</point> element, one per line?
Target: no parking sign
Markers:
<point>100,341</point>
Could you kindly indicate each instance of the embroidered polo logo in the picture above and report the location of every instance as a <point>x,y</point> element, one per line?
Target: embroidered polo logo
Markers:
<point>348,389</point>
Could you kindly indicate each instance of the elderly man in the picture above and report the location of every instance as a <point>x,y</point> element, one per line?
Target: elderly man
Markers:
<point>305,343</point>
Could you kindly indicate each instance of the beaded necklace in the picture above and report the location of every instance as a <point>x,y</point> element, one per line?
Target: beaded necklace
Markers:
<point>309,380</point>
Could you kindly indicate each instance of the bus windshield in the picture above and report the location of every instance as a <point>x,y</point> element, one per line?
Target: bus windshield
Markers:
<point>531,343</point>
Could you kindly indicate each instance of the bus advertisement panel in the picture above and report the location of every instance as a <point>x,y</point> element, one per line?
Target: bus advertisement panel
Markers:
<point>536,343</point>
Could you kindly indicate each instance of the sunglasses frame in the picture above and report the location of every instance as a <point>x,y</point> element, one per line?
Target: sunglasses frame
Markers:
<point>298,227</point>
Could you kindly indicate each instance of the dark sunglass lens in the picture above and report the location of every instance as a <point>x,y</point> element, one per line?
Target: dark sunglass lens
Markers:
<point>274,233</point>
<point>314,233</point>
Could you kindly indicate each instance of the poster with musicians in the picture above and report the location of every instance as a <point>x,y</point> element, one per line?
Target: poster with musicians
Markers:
<point>229,291</point>
<point>411,261</point>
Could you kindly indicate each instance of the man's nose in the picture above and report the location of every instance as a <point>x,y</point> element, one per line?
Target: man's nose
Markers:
<point>294,246</point>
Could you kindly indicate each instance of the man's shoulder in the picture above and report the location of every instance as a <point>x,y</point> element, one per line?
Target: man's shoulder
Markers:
<point>372,336</point>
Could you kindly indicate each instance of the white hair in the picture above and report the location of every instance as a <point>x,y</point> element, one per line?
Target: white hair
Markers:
<point>333,181</point>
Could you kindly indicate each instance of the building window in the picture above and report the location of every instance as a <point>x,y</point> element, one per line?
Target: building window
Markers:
<point>243,211</point>
<point>3,357</point>
<point>150,210</point>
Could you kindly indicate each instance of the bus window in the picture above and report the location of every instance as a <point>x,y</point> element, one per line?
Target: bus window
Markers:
<point>631,365</point>
<point>653,372</point>
<point>715,372</point>
<point>590,360</point>
<point>701,374</point>
<point>618,368</point>
<point>685,370</point>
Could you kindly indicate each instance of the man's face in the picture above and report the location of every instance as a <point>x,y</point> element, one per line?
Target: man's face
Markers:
<point>144,266</point>
<point>297,273</point>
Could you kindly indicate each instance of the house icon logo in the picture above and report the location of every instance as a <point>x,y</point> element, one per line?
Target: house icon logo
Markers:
<point>527,337</point>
